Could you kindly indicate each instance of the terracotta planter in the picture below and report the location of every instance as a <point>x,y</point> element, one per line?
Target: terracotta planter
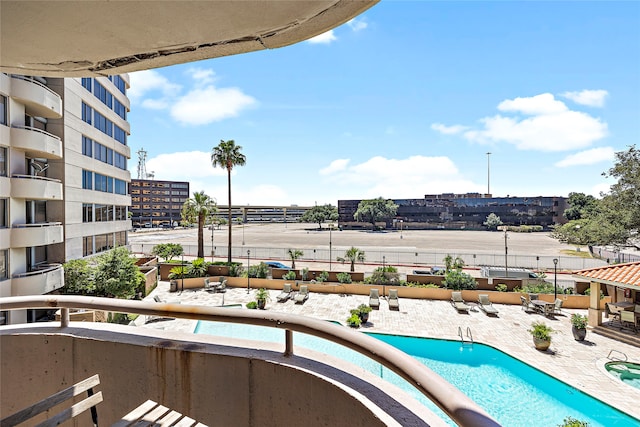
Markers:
<point>540,344</point>
<point>578,334</point>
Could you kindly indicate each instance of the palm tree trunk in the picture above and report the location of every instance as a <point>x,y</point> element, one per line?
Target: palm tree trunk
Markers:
<point>353,265</point>
<point>229,209</point>
<point>200,235</point>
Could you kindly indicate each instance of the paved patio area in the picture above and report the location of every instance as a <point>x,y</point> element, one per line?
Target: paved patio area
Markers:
<point>567,359</point>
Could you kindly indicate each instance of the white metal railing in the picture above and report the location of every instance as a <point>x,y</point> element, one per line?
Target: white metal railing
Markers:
<point>43,178</point>
<point>452,401</point>
<point>37,224</point>
<point>38,270</point>
<point>34,129</point>
<point>34,81</point>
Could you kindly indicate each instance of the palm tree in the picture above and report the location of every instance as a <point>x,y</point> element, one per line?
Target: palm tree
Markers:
<point>354,254</point>
<point>227,155</point>
<point>199,208</point>
<point>294,254</point>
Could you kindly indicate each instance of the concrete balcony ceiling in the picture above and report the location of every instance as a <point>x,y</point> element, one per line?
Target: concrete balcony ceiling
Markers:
<point>28,235</point>
<point>78,38</point>
<point>38,99</point>
<point>36,143</point>
<point>38,282</point>
<point>35,188</point>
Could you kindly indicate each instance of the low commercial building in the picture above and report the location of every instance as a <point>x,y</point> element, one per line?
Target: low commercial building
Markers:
<point>157,203</point>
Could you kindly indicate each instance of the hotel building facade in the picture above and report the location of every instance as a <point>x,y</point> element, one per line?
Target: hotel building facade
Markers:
<point>157,203</point>
<point>63,178</point>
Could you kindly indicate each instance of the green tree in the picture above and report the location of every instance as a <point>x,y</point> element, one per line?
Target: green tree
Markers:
<point>580,206</point>
<point>79,278</point>
<point>197,209</point>
<point>375,210</point>
<point>320,214</point>
<point>352,254</point>
<point>458,280</point>
<point>227,155</point>
<point>117,275</point>
<point>492,222</point>
<point>294,254</point>
<point>451,263</point>
<point>168,251</point>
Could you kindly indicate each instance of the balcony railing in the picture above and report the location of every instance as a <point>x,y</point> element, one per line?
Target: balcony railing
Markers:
<point>35,187</point>
<point>43,279</point>
<point>38,234</point>
<point>36,142</point>
<point>39,100</point>
<point>452,401</point>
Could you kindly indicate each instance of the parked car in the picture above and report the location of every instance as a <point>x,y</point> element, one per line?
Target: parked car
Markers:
<point>276,264</point>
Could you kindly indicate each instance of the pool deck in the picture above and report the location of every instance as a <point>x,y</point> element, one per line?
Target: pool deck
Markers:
<point>573,362</point>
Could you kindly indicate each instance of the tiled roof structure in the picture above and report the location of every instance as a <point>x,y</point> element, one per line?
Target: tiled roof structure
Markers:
<point>626,275</point>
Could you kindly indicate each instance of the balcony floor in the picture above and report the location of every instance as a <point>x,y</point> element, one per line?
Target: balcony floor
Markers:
<point>568,360</point>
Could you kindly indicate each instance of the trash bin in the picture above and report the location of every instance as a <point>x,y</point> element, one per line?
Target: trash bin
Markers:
<point>173,286</point>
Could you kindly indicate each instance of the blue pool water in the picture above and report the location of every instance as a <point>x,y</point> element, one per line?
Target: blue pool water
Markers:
<point>514,393</point>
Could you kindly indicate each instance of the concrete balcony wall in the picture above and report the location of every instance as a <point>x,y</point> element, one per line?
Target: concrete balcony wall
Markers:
<point>35,188</point>
<point>37,282</point>
<point>38,99</point>
<point>27,235</point>
<point>36,142</point>
<point>216,381</point>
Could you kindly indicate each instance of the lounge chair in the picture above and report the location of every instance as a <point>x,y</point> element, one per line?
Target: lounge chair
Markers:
<point>486,306</point>
<point>285,294</point>
<point>302,295</point>
<point>557,308</point>
<point>222,285</point>
<point>393,299</point>
<point>526,304</point>
<point>458,303</point>
<point>614,314</point>
<point>153,318</point>
<point>374,298</point>
<point>628,317</point>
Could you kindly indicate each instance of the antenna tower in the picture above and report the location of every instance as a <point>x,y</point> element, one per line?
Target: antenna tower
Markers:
<point>142,164</point>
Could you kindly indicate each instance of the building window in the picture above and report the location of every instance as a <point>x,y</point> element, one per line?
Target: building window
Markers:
<point>103,153</point>
<point>4,264</point>
<point>103,124</point>
<point>87,112</point>
<point>3,161</point>
<point>120,161</point>
<point>87,146</point>
<point>121,187</point>
<point>100,183</point>
<point>121,213</point>
<point>120,109</point>
<point>121,238</point>
<point>3,110</point>
<point>87,179</point>
<point>87,245</point>
<point>120,135</point>
<point>103,94</point>
<point>87,212</point>
<point>86,83</point>
<point>120,84</point>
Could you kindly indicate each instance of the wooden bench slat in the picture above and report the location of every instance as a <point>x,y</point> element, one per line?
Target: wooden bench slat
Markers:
<point>155,414</point>
<point>169,419</point>
<point>73,411</point>
<point>135,414</point>
<point>185,422</point>
<point>49,402</point>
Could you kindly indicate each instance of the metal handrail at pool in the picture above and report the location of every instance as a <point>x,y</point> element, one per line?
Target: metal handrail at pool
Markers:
<point>462,410</point>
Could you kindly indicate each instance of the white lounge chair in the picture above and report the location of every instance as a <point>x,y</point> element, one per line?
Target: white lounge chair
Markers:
<point>285,294</point>
<point>393,300</point>
<point>302,295</point>
<point>458,303</point>
<point>486,306</point>
<point>374,298</point>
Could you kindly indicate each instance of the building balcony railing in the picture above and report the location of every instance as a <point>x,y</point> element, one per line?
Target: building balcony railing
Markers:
<point>250,380</point>
<point>39,100</point>
<point>46,278</point>
<point>36,143</point>
<point>35,187</point>
<point>39,234</point>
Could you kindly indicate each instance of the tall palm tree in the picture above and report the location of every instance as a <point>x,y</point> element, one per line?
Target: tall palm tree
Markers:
<point>227,155</point>
<point>294,254</point>
<point>354,254</point>
<point>199,208</point>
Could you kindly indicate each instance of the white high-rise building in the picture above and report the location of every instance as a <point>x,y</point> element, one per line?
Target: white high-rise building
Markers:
<point>63,178</point>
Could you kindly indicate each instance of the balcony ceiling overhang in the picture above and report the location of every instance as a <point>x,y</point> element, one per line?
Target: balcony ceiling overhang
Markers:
<point>82,38</point>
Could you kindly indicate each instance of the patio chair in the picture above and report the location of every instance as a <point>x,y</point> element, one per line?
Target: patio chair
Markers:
<point>458,303</point>
<point>612,314</point>
<point>302,295</point>
<point>222,284</point>
<point>486,306</point>
<point>285,294</point>
<point>393,300</point>
<point>628,317</point>
<point>557,308</point>
<point>374,298</point>
<point>526,304</point>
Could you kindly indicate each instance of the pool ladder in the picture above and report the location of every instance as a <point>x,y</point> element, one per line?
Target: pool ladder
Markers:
<point>469,335</point>
<point>613,356</point>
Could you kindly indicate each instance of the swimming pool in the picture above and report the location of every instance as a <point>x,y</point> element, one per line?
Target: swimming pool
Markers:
<point>511,391</point>
<point>627,372</point>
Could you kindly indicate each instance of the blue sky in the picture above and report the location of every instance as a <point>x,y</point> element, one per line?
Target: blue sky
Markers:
<point>406,100</point>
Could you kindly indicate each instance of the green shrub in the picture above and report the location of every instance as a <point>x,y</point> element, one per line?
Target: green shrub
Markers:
<point>323,277</point>
<point>344,277</point>
<point>538,288</point>
<point>354,320</point>
<point>178,272</point>
<point>383,276</point>
<point>253,305</point>
<point>289,275</point>
<point>501,287</point>
<point>304,273</point>
<point>259,271</point>
<point>457,280</point>
<point>198,268</point>
<point>235,269</point>
<point>168,251</point>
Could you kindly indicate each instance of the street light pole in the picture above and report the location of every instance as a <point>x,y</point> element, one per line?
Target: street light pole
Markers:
<point>506,251</point>
<point>555,278</point>
<point>330,248</point>
<point>212,242</point>
<point>248,254</point>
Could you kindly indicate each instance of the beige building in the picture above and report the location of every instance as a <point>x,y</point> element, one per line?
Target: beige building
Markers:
<point>63,178</point>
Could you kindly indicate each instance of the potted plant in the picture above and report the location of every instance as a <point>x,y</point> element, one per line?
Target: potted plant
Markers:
<point>541,335</point>
<point>262,296</point>
<point>579,326</point>
<point>363,312</point>
<point>354,320</point>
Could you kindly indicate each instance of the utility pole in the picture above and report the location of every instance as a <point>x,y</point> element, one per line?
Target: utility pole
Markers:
<point>506,251</point>
<point>488,173</point>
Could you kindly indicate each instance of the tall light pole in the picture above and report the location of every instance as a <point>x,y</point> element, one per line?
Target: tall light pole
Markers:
<point>243,232</point>
<point>248,253</point>
<point>488,173</point>
<point>506,251</point>
<point>401,229</point>
<point>330,247</point>
<point>212,241</point>
<point>555,278</point>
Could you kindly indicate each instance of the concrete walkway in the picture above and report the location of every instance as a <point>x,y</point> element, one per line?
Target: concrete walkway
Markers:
<point>568,360</point>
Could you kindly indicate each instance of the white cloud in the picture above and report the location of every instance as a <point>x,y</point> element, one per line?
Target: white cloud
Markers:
<point>335,166</point>
<point>324,38</point>
<point>202,76</point>
<point>155,104</point>
<point>357,24</point>
<point>600,189</point>
<point>183,166</point>
<point>210,104</point>
<point>448,130</point>
<point>591,98</point>
<point>552,127</point>
<point>143,82</point>
<point>588,157</point>
<point>400,178</point>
